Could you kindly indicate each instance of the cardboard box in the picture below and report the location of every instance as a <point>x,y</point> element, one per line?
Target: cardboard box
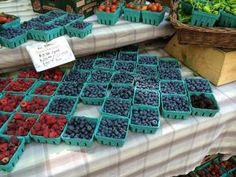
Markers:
<point>85,7</point>
<point>216,65</point>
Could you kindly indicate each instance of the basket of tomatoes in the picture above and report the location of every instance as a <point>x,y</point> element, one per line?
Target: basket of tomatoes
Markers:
<point>132,12</point>
<point>108,12</point>
<point>8,21</point>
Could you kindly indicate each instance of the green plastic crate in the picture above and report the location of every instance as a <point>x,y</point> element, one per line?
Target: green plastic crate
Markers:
<point>79,141</point>
<point>144,128</point>
<point>46,36</point>
<point>26,115</point>
<point>81,33</point>
<point>92,101</point>
<point>108,18</point>
<point>227,20</point>
<point>153,18</point>
<point>186,7</point>
<point>103,113</point>
<point>11,164</point>
<point>204,19</point>
<point>14,42</point>
<point>112,141</point>
<point>69,97</point>
<point>175,114</point>
<point>40,83</point>
<point>184,92</point>
<point>12,24</point>
<point>132,15</point>
<point>204,112</point>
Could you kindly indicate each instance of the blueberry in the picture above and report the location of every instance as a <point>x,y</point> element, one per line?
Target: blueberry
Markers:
<point>170,74</point>
<point>124,92</point>
<point>80,25</point>
<point>104,64</point>
<point>146,97</point>
<point>28,25</point>
<point>111,54</point>
<point>113,128</point>
<point>11,33</point>
<point>70,89</point>
<point>62,105</point>
<point>62,22</point>
<point>73,17</point>
<point>145,117</point>
<point>146,82</point>
<point>125,56</point>
<point>146,70</point>
<point>148,60</point>
<point>172,87</point>
<point>202,101</point>
<point>100,76</point>
<point>85,63</point>
<point>130,48</point>
<point>117,106</point>
<point>122,78</point>
<point>169,64</point>
<point>45,27</point>
<point>125,66</point>
<point>77,76</point>
<point>175,103</point>
<point>42,19</point>
<point>80,127</point>
<point>198,85</point>
<point>94,91</point>
<point>55,14</point>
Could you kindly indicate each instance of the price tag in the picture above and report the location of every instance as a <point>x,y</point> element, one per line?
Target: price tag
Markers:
<point>51,54</point>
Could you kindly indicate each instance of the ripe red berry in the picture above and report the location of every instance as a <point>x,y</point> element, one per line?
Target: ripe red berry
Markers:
<point>46,89</point>
<point>55,74</point>
<point>29,74</point>
<point>3,83</point>
<point>20,85</point>
<point>3,119</point>
<point>9,102</point>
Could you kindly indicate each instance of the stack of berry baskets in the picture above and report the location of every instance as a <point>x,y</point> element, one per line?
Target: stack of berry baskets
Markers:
<point>203,102</point>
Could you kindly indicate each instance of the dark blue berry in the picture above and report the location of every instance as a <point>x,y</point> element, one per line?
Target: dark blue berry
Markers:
<point>146,70</point>
<point>55,14</point>
<point>70,89</point>
<point>77,76</point>
<point>94,91</point>
<point>125,66</point>
<point>80,127</point>
<point>117,107</point>
<point>42,19</point>
<point>62,22</point>
<point>175,103</point>
<point>28,25</point>
<point>198,85</point>
<point>104,64</point>
<point>146,82</point>
<point>122,78</point>
<point>85,63</point>
<point>113,128</point>
<point>110,54</point>
<point>124,92</point>
<point>11,33</point>
<point>145,117</point>
<point>170,74</point>
<point>62,105</point>
<point>172,87</point>
<point>130,48</point>
<point>100,76</point>
<point>80,25</point>
<point>147,97</point>
<point>169,64</point>
<point>148,60</point>
<point>126,56</point>
<point>45,27</point>
<point>73,17</point>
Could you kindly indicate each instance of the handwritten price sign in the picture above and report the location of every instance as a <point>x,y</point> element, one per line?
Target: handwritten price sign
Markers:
<point>51,54</point>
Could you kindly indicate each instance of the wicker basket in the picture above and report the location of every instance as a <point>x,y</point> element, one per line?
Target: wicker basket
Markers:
<point>204,36</point>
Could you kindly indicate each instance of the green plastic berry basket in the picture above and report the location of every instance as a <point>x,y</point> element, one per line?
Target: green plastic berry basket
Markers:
<point>46,36</point>
<point>124,62</point>
<point>113,55</point>
<point>26,115</point>
<point>153,18</point>
<point>147,90</point>
<point>227,20</point>
<point>81,33</point>
<point>121,86</point>
<point>14,42</point>
<point>66,83</point>
<point>126,49</point>
<point>97,67</point>
<point>154,74</point>
<point>132,15</point>
<point>40,83</point>
<point>114,83</point>
<point>142,55</point>
<point>198,78</point>
<point>112,141</point>
<point>108,18</point>
<point>204,19</point>
<point>63,69</point>
<point>111,115</point>
<point>144,128</point>
<point>93,101</point>
<point>204,112</point>
<point>29,98</point>
<point>175,114</point>
<point>79,141</point>
<point>89,80</point>
<point>163,59</point>
<point>8,117</point>
<point>186,7</point>
<point>76,99</point>
<point>12,24</point>
<point>184,92</point>
<point>127,52</point>
<point>16,156</point>
<point>230,172</point>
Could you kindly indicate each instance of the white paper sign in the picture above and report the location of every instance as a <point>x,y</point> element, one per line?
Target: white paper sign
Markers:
<point>51,54</point>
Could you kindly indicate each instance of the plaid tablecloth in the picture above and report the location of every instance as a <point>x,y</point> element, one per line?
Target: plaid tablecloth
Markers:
<point>102,38</point>
<point>176,148</point>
